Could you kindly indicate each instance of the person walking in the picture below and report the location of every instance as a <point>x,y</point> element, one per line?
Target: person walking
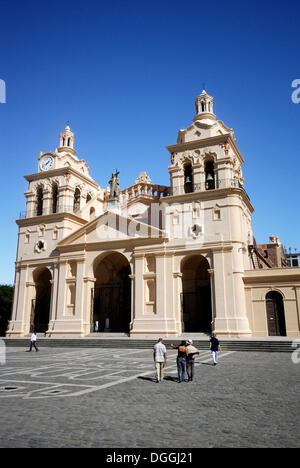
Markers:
<point>160,359</point>
<point>190,362</point>
<point>215,348</point>
<point>33,342</point>
<point>181,360</point>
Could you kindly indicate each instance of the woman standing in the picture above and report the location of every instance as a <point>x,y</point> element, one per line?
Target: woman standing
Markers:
<point>181,360</point>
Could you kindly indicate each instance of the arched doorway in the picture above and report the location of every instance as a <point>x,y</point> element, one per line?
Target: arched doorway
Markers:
<point>41,304</point>
<point>112,294</point>
<point>275,314</point>
<point>196,295</point>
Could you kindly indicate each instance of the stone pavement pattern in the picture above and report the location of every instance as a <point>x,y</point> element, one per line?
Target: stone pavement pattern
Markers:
<point>109,398</point>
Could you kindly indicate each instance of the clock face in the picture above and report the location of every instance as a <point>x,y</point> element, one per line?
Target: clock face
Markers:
<point>46,163</point>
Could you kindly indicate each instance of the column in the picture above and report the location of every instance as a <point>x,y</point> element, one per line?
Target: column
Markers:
<point>139,325</point>
<point>61,291</point>
<point>79,290</point>
<point>47,202</point>
<point>177,278</point>
<point>238,322</point>
<point>198,177</point>
<point>132,284</point>
<point>213,305</point>
<point>29,312</point>
<point>16,326</point>
<point>54,293</point>
<point>160,286</point>
<point>297,294</point>
<point>88,305</point>
<point>219,293</point>
<point>30,204</point>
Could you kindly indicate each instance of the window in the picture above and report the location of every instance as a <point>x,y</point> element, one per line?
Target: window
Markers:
<point>188,179</point>
<point>209,176</point>
<point>39,205</point>
<point>76,206</point>
<point>54,198</point>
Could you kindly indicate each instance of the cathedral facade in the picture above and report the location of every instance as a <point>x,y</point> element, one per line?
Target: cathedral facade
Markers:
<point>149,260</point>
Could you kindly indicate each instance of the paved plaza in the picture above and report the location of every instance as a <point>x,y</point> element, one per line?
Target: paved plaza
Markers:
<point>109,398</point>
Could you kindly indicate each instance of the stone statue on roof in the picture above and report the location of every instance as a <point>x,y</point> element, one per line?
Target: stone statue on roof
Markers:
<point>114,185</point>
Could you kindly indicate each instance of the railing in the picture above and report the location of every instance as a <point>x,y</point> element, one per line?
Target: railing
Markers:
<point>145,189</point>
<point>207,186</point>
<point>60,209</point>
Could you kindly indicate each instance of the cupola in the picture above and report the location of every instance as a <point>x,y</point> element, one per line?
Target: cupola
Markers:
<point>204,107</point>
<point>66,140</point>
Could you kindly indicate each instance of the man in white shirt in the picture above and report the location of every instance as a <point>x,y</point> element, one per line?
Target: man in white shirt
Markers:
<point>33,341</point>
<point>160,359</point>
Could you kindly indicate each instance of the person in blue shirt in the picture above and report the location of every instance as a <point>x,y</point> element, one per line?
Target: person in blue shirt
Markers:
<point>181,360</point>
<point>215,348</point>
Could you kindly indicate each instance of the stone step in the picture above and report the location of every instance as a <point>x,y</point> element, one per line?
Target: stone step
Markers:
<point>130,343</point>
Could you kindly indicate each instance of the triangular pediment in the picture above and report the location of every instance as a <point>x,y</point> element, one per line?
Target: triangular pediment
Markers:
<point>111,227</point>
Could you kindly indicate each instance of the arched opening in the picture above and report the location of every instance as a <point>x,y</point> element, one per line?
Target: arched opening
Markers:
<point>41,304</point>
<point>209,175</point>
<point>39,201</point>
<point>54,198</point>
<point>275,314</point>
<point>112,294</point>
<point>76,205</point>
<point>196,295</point>
<point>188,178</point>
<point>88,197</point>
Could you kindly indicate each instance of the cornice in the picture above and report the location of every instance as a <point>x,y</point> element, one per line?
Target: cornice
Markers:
<point>112,244</point>
<point>209,195</point>
<point>60,171</point>
<point>211,141</point>
<point>269,275</point>
<point>54,217</point>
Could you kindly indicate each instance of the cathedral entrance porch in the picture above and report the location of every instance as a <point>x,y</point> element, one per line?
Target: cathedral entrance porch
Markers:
<point>196,295</point>
<point>112,295</point>
<point>40,306</point>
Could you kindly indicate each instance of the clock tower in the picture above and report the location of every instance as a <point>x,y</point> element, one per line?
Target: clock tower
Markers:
<point>59,200</point>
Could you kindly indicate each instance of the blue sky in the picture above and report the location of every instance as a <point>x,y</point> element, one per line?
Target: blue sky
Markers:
<point>126,74</point>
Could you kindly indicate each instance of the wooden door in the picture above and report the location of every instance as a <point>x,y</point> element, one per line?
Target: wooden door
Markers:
<point>275,314</point>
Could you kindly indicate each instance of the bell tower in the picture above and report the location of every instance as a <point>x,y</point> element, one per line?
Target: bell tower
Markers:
<point>206,173</point>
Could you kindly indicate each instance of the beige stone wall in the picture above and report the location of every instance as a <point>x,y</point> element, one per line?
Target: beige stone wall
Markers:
<point>258,283</point>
